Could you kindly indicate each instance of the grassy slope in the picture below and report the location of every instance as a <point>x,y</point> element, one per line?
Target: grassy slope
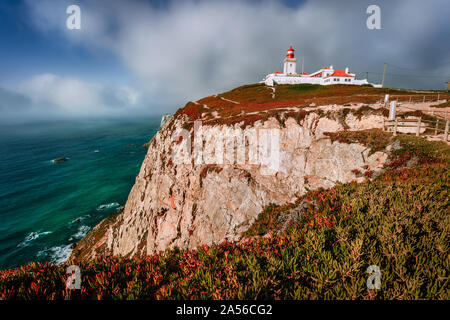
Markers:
<point>255,101</point>
<point>398,221</point>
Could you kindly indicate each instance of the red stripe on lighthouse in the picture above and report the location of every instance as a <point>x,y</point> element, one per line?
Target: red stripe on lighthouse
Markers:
<point>290,52</point>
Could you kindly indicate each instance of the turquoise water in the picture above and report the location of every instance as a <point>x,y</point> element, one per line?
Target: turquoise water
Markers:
<point>45,206</point>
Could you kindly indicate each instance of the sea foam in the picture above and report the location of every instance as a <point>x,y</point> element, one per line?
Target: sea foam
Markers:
<point>32,236</point>
<point>107,206</point>
<point>82,231</point>
<point>58,254</point>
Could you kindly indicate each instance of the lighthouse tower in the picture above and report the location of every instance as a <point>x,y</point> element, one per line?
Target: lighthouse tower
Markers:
<point>290,63</point>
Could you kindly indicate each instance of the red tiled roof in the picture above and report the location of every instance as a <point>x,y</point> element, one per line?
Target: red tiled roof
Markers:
<point>304,73</point>
<point>340,73</point>
<point>277,72</point>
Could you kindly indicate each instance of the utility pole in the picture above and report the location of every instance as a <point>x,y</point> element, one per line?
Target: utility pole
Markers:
<point>448,85</point>
<point>384,73</point>
<point>303,62</point>
<point>367,76</point>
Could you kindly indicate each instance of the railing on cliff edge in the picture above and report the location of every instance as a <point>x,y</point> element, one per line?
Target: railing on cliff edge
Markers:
<point>432,127</point>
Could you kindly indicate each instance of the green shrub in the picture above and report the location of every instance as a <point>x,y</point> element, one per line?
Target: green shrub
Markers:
<point>305,87</point>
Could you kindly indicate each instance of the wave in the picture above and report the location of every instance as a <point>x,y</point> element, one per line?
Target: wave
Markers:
<point>32,236</point>
<point>79,219</point>
<point>58,254</point>
<point>61,254</point>
<point>82,231</point>
<point>107,206</point>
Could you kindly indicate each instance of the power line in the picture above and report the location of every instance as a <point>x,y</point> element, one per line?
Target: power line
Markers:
<point>416,69</point>
<point>421,75</point>
<point>405,75</point>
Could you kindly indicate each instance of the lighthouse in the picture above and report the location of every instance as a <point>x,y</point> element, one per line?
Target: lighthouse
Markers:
<point>290,63</point>
<point>324,76</point>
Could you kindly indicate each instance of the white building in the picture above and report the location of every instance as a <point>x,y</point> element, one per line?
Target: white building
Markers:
<point>324,76</point>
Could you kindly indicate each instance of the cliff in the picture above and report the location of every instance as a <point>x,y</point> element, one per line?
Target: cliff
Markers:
<point>194,202</point>
<point>294,240</point>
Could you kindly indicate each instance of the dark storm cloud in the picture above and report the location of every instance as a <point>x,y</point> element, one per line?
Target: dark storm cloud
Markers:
<point>184,50</point>
<point>187,49</point>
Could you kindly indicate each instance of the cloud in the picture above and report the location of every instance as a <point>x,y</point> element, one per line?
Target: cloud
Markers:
<point>47,96</point>
<point>127,96</point>
<point>63,94</point>
<point>10,100</point>
<point>12,104</point>
<point>187,49</point>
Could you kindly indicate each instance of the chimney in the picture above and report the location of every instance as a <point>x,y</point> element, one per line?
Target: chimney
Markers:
<point>346,70</point>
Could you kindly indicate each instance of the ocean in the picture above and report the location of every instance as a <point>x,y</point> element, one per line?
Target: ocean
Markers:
<point>46,206</point>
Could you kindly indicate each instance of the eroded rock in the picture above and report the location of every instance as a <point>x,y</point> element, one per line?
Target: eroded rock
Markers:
<point>186,205</point>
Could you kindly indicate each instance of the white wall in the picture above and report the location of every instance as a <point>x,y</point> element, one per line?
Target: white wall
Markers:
<point>272,79</point>
<point>290,66</point>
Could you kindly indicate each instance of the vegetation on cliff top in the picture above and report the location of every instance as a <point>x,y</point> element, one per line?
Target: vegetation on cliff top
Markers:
<point>398,221</point>
<point>254,102</point>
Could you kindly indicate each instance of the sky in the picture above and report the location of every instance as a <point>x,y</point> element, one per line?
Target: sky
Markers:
<point>134,58</point>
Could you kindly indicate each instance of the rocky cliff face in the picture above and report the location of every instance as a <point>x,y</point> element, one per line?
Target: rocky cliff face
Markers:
<point>189,205</point>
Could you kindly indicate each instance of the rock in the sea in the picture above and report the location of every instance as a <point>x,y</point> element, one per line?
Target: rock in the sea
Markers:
<point>164,119</point>
<point>60,159</point>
